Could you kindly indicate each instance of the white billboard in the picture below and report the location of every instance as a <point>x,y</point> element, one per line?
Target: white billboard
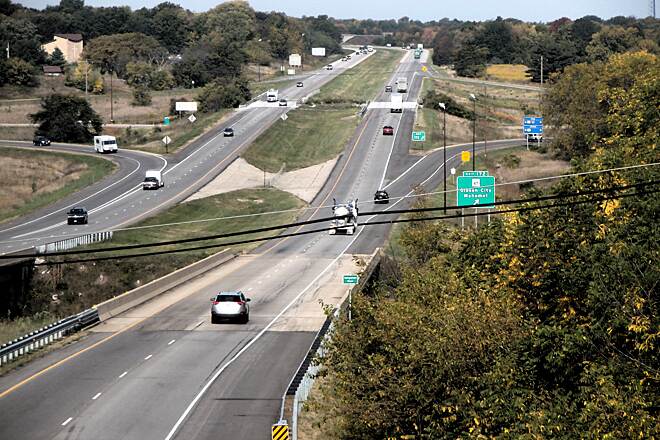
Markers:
<point>183,106</point>
<point>318,51</point>
<point>295,60</point>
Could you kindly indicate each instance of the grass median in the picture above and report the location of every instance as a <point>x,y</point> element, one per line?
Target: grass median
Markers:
<point>310,135</point>
<point>362,82</point>
<point>34,179</point>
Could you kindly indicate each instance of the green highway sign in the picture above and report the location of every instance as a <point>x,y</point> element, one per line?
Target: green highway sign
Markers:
<point>475,190</point>
<point>419,136</point>
<point>351,279</point>
<point>475,173</point>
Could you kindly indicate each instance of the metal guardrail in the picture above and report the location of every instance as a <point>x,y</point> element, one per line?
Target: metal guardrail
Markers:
<point>301,384</point>
<point>46,335</point>
<point>70,243</point>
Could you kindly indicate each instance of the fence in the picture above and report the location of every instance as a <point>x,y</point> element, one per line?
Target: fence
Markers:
<point>301,384</point>
<point>70,243</point>
<point>46,335</point>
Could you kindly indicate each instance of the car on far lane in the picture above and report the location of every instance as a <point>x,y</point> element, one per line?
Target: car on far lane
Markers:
<point>40,141</point>
<point>388,89</point>
<point>228,132</point>
<point>283,102</point>
<point>231,305</point>
<point>381,197</point>
<point>299,84</point>
<point>77,215</point>
<point>388,130</point>
<point>328,67</point>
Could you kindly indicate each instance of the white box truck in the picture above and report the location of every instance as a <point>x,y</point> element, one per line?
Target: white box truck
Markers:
<point>105,144</point>
<point>402,85</point>
<point>271,95</point>
<point>153,179</point>
<point>396,105</point>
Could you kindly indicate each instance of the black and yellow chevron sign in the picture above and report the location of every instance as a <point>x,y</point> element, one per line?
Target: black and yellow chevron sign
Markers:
<point>280,432</point>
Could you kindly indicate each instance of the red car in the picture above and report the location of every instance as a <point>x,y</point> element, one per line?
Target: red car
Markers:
<point>388,131</point>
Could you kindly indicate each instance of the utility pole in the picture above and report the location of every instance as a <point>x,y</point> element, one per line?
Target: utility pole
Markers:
<point>444,154</point>
<point>541,70</point>
<point>7,49</point>
<point>474,129</point>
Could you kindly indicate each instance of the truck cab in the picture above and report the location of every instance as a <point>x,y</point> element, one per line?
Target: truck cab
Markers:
<point>345,218</point>
<point>402,85</point>
<point>105,144</point>
<point>153,179</point>
<point>272,95</point>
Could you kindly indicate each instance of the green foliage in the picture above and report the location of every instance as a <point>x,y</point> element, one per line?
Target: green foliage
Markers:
<point>65,118</point>
<point>543,324</point>
<point>218,95</point>
<point>20,73</point>
<point>470,59</point>
<point>141,95</point>
<point>23,39</point>
<point>56,58</point>
<point>433,97</point>
<point>558,52</point>
<point>610,41</point>
<point>113,53</point>
<point>577,111</point>
<point>75,77</point>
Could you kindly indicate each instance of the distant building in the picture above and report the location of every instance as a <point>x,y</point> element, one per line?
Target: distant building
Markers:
<point>71,46</point>
<point>52,70</point>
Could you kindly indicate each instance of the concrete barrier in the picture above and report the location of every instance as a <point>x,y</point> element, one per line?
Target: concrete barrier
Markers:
<point>142,294</point>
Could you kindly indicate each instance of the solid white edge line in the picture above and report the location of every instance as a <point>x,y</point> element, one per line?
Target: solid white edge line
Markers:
<point>66,422</point>
<point>96,396</point>
<point>123,374</point>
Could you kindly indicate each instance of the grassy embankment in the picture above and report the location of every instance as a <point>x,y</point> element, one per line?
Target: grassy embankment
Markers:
<point>80,286</point>
<point>312,135</point>
<point>361,83</point>
<point>499,113</point>
<point>33,179</point>
<point>19,103</point>
<point>516,73</point>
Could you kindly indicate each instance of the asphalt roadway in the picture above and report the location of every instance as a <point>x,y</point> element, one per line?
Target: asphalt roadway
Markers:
<point>163,371</point>
<point>118,201</point>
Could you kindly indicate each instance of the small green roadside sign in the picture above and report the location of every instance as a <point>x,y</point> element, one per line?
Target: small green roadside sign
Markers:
<point>475,189</point>
<point>351,279</point>
<point>419,136</point>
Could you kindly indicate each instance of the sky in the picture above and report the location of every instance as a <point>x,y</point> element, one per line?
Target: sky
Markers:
<point>424,10</point>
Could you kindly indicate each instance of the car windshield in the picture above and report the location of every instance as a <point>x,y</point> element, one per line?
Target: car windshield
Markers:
<point>228,298</point>
<point>109,142</point>
<point>77,211</point>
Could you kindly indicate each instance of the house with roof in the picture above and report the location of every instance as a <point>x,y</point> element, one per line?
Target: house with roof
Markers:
<point>71,46</point>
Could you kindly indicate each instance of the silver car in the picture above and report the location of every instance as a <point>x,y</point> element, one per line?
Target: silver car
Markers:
<point>230,306</point>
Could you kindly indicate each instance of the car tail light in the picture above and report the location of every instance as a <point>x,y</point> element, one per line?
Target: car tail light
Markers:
<point>240,303</point>
<point>215,303</point>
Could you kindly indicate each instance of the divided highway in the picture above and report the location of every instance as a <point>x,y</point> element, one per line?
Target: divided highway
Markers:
<point>162,371</point>
<point>112,207</point>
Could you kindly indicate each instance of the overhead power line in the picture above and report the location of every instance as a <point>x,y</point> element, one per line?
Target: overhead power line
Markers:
<point>284,211</point>
<point>393,221</point>
<point>327,219</point>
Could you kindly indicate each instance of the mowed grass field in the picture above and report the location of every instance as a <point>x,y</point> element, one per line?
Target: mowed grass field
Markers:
<point>362,82</point>
<point>499,113</point>
<point>308,137</point>
<point>247,204</point>
<point>508,72</point>
<point>33,179</point>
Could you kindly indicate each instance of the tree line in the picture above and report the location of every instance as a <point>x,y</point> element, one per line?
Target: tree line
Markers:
<point>542,324</point>
<point>470,46</point>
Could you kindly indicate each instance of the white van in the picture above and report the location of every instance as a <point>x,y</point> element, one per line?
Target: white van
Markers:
<point>271,95</point>
<point>153,179</point>
<point>105,144</point>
